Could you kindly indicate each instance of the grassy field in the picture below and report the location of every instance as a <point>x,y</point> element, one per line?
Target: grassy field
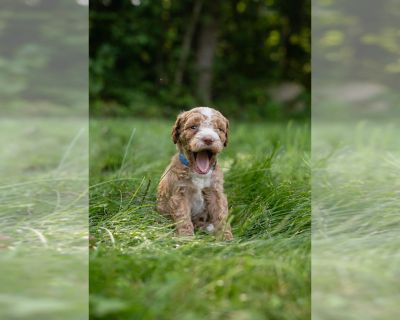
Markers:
<point>140,270</point>
<point>43,218</point>
<point>356,222</point>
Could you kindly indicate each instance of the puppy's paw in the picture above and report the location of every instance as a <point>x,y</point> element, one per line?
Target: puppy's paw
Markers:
<point>185,232</point>
<point>228,236</point>
<point>224,235</point>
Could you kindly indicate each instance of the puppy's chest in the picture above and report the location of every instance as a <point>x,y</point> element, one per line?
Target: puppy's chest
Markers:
<point>199,183</point>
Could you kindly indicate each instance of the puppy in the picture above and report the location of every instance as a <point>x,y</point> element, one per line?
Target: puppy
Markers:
<point>191,189</point>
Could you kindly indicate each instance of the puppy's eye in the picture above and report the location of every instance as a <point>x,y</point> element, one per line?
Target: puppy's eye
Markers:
<point>220,129</point>
<point>194,127</point>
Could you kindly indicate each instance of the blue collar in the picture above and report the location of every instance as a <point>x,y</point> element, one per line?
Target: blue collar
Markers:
<point>183,160</point>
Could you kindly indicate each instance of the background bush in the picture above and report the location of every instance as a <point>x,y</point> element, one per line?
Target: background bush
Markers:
<point>144,61</point>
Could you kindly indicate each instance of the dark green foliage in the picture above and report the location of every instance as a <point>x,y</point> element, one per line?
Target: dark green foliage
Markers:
<point>135,52</point>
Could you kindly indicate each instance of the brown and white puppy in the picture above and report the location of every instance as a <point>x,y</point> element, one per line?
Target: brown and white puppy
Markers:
<point>191,189</point>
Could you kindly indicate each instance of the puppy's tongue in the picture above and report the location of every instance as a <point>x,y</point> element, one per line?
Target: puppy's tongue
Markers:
<point>202,161</point>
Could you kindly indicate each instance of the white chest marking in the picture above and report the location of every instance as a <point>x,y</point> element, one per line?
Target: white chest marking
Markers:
<point>200,181</point>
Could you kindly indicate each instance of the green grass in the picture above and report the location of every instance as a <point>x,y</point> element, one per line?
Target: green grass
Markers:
<point>356,222</point>
<point>43,218</point>
<point>140,270</point>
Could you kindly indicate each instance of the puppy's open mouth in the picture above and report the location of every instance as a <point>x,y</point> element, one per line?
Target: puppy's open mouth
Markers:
<point>203,161</point>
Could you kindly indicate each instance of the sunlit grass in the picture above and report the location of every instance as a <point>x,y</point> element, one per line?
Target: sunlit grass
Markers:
<point>140,270</point>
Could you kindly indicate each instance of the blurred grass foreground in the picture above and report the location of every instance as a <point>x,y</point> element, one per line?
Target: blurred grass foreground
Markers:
<point>43,219</point>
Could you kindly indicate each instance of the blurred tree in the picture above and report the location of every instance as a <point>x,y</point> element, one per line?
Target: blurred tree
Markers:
<point>207,44</point>
<point>187,41</point>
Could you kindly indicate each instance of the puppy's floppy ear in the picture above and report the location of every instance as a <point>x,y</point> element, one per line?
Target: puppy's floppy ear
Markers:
<point>227,132</point>
<point>177,127</point>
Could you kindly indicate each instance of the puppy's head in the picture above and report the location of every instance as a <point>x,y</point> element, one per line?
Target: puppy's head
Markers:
<point>201,133</point>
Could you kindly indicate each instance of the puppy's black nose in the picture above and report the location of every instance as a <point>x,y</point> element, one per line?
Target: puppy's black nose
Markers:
<point>208,140</point>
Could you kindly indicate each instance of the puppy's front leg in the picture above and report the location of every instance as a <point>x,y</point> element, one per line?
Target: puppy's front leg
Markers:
<point>181,213</point>
<point>217,206</point>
